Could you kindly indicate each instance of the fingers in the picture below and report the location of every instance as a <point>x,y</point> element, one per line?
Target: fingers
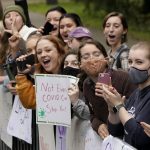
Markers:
<point>72,89</point>
<point>14,27</point>
<point>145,125</point>
<point>99,89</point>
<point>40,30</point>
<point>73,93</point>
<point>103,131</point>
<point>21,58</point>
<point>14,38</point>
<point>11,87</point>
<point>8,31</point>
<point>146,128</point>
<point>123,98</point>
<point>107,91</point>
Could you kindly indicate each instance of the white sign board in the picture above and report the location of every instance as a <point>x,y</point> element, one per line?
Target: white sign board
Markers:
<point>92,140</point>
<point>112,143</point>
<point>19,124</point>
<point>53,104</point>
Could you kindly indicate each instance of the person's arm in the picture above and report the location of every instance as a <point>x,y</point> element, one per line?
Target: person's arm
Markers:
<point>115,127</point>
<point>26,91</point>
<point>132,127</point>
<point>98,110</point>
<point>81,110</point>
<point>79,107</point>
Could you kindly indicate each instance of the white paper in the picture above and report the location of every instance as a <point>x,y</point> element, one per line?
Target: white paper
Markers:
<point>73,80</point>
<point>112,143</point>
<point>46,137</point>
<point>92,140</point>
<point>19,124</point>
<point>53,104</point>
<point>108,143</point>
<point>5,111</point>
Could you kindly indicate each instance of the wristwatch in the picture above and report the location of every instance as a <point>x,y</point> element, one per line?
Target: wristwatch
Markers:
<point>117,108</point>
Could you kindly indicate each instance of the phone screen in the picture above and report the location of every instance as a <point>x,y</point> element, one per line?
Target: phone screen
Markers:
<point>104,78</point>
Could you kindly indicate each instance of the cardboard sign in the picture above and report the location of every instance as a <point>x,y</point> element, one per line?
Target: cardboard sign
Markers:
<point>112,143</point>
<point>19,124</point>
<point>92,140</point>
<point>53,103</point>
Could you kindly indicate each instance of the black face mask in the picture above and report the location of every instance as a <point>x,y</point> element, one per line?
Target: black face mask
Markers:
<point>71,71</point>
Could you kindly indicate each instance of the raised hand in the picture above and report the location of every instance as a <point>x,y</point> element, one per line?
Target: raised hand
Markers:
<point>15,38</point>
<point>111,96</point>
<point>73,93</point>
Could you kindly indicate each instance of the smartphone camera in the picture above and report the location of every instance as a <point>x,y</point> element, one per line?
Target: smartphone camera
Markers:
<point>30,60</point>
<point>104,78</point>
<point>48,27</point>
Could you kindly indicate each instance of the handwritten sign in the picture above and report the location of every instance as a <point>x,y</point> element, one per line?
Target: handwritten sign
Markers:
<point>92,139</point>
<point>19,124</point>
<point>53,104</point>
<point>112,143</point>
<point>46,137</point>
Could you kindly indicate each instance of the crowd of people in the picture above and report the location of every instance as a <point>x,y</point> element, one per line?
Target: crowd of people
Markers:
<point>117,105</point>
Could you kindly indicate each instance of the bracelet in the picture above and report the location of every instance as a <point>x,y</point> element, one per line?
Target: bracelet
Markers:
<point>117,108</point>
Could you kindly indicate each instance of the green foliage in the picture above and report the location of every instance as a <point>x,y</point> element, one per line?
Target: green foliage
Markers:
<point>89,19</point>
<point>92,15</point>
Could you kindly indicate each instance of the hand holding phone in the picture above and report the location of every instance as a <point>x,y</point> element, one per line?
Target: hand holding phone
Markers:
<point>30,60</point>
<point>104,78</point>
<point>48,27</point>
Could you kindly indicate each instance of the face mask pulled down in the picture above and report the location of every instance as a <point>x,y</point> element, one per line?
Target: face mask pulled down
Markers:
<point>93,67</point>
<point>71,71</point>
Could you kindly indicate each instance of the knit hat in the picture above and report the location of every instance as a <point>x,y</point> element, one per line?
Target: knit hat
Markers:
<point>80,32</point>
<point>15,8</point>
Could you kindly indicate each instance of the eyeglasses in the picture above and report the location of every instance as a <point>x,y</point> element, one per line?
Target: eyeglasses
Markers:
<point>95,54</point>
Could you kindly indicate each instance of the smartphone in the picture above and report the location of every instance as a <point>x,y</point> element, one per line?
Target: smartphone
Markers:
<point>29,60</point>
<point>104,78</point>
<point>48,27</point>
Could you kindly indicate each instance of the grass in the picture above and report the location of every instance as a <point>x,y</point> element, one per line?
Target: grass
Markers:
<point>90,20</point>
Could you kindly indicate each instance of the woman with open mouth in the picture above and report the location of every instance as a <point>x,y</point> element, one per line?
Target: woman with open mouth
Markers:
<point>49,55</point>
<point>67,23</point>
<point>115,29</point>
<point>53,15</point>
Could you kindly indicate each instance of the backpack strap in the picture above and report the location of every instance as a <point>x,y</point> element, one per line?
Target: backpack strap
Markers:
<point>116,57</point>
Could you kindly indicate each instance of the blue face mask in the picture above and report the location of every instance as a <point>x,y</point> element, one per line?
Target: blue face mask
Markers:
<point>138,76</point>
